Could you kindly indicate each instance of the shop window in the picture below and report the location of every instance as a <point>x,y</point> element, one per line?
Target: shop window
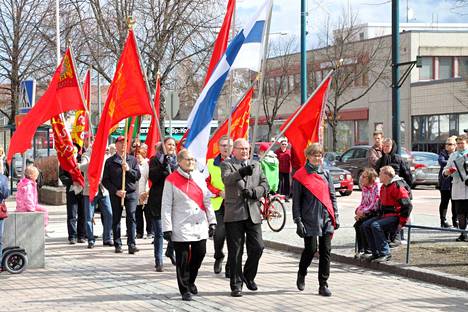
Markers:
<point>453,124</point>
<point>362,136</point>
<point>433,127</point>
<point>445,67</point>
<point>426,72</point>
<point>463,123</point>
<point>463,67</point>
<point>444,127</point>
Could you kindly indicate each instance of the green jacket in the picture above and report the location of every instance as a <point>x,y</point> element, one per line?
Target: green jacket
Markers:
<point>270,168</point>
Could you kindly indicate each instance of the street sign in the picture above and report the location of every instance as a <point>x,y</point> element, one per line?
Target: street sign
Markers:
<point>172,103</point>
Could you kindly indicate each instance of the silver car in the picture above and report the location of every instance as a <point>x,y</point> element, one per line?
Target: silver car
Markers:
<point>426,168</point>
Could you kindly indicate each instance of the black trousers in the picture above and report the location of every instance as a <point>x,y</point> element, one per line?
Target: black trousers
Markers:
<point>362,245</point>
<point>310,248</point>
<point>220,236</point>
<point>236,234</point>
<point>130,204</point>
<point>284,186</point>
<point>143,216</point>
<point>462,212</point>
<point>76,219</point>
<point>445,196</point>
<point>189,257</point>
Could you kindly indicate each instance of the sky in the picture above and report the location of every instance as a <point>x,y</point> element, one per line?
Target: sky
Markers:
<point>286,13</point>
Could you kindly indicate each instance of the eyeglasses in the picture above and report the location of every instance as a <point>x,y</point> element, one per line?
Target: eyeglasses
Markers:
<point>316,155</point>
<point>224,145</point>
<point>242,148</point>
<point>449,144</point>
<point>190,159</point>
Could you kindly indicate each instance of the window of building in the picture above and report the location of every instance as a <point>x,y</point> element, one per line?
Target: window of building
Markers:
<point>445,67</point>
<point>463,66</point>
<point>426,72</point>
<point>362,135</point>
<point>463,122</point>
<point>444,127</point>
<point>453,124</point>
<point>433,127</point>
<point>291,83</point>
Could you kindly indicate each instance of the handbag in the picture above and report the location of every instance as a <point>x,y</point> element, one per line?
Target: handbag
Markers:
<point>3,211</point>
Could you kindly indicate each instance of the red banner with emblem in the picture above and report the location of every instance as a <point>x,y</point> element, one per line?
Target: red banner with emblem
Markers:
<point>65,149</point>
<point>81,124</point>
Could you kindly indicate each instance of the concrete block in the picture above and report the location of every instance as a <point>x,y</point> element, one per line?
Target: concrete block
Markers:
<point>52,195</point>
<point>26,230</point>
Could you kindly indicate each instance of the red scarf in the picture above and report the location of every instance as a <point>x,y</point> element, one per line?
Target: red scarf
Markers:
<point>318,187</point>
<point>188,187</point>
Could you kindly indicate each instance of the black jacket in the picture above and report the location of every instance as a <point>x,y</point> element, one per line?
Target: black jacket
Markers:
<point>397,163</point>
<point>112,175</point>
<point>158,173</point>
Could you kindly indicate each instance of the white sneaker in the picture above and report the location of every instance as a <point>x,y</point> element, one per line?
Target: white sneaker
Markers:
<point>404,242</point>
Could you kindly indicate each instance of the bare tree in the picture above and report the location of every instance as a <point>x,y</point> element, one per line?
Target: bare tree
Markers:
<point>360,65</point>
<point>279,83</point>
<point>22,47</point>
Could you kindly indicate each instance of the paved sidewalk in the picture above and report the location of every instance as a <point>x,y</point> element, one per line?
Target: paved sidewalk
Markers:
<point>81,279</point>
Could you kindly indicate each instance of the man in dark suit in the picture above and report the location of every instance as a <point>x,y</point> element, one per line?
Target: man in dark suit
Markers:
<point>112,181</point>
<point>244,185</point>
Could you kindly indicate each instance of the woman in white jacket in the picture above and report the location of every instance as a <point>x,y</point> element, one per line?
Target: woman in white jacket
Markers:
<point>459,184</point>
<point>188,220</point>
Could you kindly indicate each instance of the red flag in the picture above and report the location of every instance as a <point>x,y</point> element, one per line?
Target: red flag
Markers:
<point>127,96</point>
<point>153,132</point>
<point>305,128</point>
<point>81,123</point>
<point>239,125</point>
<point>218,52</point>
<point>65,149</point>
<point>62,95</point>
<point>221,40</point>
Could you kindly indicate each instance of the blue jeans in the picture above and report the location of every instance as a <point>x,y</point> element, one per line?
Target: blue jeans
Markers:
<point>1,238</point>
<point>375,230</point>
<point>130,204</point>
<point>159,243</point>
<point>106,210</point>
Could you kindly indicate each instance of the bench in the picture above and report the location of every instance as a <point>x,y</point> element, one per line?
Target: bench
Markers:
<point>26,230</point>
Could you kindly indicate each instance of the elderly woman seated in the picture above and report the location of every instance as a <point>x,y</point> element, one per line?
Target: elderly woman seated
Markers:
<point>26,196</point>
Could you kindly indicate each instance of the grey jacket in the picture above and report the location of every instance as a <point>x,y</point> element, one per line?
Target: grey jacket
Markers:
<point>234,203</point>
<point>459,189</point>
<point>84,164</point>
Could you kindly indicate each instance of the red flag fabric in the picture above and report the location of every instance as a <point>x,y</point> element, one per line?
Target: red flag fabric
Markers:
<point>62,95</point>
<point>304,130</point>
<point>127,96</point>
<point>239,125</point>
<point>154,135</point>
<point>81,123</point>
<point>218,52</point>
<point>221,40</point>
<point>65,149</point>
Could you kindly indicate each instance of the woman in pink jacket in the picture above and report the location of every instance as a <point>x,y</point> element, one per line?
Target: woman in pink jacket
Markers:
<point>26,195</point>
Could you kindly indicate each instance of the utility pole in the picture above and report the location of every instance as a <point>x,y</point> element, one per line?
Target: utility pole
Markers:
<point>396,74</point>
<point>303,53</point>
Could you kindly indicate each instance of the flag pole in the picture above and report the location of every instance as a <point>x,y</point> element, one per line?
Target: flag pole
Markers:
<point>230,107</point>
<point>130,20</point>
<point>260,92</point>
<point>124,161</point>
<point>88,105</point>
<point>298,112</point>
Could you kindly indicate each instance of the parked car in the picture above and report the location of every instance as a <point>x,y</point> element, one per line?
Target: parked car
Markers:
<point>355,160</point>
<point>342,179</point>
<point>426,169</point>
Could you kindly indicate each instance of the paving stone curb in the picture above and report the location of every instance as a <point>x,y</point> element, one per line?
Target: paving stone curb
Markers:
<point>409,271</point>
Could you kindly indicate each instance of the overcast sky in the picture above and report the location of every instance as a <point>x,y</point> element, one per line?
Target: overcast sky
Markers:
<point>286,13</point>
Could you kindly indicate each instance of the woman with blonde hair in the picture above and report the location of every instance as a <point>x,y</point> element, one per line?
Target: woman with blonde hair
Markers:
<point>26,195</point>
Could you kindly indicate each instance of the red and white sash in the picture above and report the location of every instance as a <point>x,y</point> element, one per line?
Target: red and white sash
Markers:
<point>188,187</point>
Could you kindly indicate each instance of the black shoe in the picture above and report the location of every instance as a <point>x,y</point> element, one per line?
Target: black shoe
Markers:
<point>193,289</point>
<point>444,224</point>
<point>132,249</point>
<point>324,291</point>
<point>72,241</point>
<point>461,238</point>
<point>187,297</point>
<point>172,257</point>
<point>300,283</point>
<point>118,249</point>
<point>251,285</point>
<point>159,268</point>
<point>455,224</point>
<point>108,243</point>
<point>382,258</point>
<point>139,236</point>
<point>369,257</point>
<point>218,265</point>
<point>236,293</point>
<point>81,240</point>
<point>91,245</point>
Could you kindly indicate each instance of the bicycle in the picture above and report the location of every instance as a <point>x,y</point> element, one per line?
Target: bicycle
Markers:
<point>272,209</point>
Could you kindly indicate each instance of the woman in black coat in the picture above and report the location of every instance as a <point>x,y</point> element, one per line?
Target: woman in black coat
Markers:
<point>160,166</point>
<point>445,185</point>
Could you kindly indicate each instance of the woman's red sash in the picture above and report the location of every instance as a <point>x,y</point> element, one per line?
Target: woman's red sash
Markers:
<point>188,187</point>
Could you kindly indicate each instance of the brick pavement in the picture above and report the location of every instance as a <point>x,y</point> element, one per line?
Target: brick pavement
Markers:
<point>80,279</point>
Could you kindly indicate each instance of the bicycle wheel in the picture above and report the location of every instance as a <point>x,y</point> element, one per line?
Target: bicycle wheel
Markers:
<point>276,217</point>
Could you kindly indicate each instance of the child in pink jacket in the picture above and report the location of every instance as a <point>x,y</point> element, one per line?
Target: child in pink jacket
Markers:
<point>369,206</point>
<point>26,195</point>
